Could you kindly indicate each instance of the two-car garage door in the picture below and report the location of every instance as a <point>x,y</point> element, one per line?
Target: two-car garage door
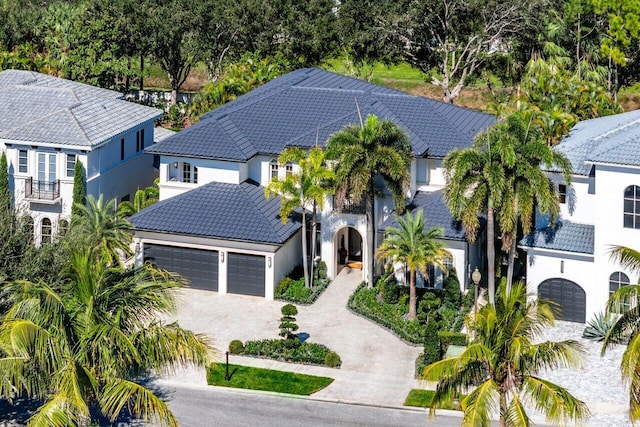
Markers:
<point>245,273</point>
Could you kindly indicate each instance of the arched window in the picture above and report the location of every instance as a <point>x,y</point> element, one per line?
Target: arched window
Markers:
<point>189,173</point>
<point>45,230</point>
<point>616,281</point>
<point>274,168</point>
<point>632,207</point>
<point>288,168</point>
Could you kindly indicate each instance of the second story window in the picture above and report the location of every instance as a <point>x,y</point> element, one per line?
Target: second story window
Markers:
<point>189,173</point>
<point>71,165</point>
<point>23,160</point>
<point>45,230</point>
<point>137,141</point>
<point>122,149</point>
<point>562,193</point>
<point>632,207</point>
<point>288,169</point>
<point>274,169</point>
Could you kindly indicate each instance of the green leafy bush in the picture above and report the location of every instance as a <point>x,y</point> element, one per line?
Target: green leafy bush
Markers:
<point>452,338</point>
<point>299,294</point>
<point>448,316</point>
<point>322,270</point>
<point>236,347</point>
<point>282,287</point>
<point>332,360</point>
<point>598,327</point>
<point>432,350</point>
<point>452,294</point>
<point>277,349</point>
<point>389,290</point>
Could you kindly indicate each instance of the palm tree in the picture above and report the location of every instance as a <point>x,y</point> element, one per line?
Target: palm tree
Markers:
<point>501,364</point>
<point>627,327</point>
<point>86,343</point>
<point>142,199</point>
<point>374,148</point>
<point>410,244</point>
<point>103,229</point>
<point>527,186</point>
<point>475,183</point>
<point>306,189</point>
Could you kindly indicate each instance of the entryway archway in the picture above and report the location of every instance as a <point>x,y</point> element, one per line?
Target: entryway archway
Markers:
<point>349,249</point>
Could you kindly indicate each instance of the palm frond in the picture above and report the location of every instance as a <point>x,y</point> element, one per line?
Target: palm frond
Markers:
<point>554,401</point>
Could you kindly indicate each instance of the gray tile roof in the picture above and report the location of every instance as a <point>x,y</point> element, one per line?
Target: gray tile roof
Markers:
<point>160,133</point>
<point>435,212</point>
<point>36,108</point>
<point>309,104</point>
<point>563,236</point>
<point>611,139</point>
<point>217,210</point>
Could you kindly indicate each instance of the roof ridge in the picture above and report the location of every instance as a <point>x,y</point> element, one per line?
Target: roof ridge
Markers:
<point>617,129</point>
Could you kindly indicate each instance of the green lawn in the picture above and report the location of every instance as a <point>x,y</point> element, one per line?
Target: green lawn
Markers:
<point>266,379</point>
<point>401,76</point>
<point>423,398</point>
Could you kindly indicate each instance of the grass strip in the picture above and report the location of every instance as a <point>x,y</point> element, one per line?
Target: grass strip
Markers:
<point>251,378</point>
<point>422,399</point>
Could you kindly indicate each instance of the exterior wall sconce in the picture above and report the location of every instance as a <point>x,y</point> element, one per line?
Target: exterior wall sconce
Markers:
<point>222,257</point>
<point>175,165</point>
<point>137,247</point>
<point>562,266</point>
<point>269,262</point>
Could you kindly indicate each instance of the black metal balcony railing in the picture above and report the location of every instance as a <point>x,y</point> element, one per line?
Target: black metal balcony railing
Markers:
<point>350,207</point>
<point>41,190</point>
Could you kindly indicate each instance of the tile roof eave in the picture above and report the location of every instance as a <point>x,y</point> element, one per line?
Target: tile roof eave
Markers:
<point>171,233</point>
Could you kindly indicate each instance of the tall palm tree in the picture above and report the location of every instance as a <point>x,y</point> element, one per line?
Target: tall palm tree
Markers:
<point>304,189</point>
<point>410,244</point>
<point>527,186</point>
<point>475,183</point>
<point>86,343</point>
<point>627,327</point>
<point>103,229</point>
<point>362,152</point>
<point>502,361</point>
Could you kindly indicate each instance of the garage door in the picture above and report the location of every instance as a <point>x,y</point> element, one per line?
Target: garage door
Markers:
<point>245,274</point>
<point>198,266</point>
<point>568,295</point>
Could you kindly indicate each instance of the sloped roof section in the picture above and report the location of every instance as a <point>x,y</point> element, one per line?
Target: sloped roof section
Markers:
<point>563,236</point>
<point>217,210</point>
<point>435,212</point>
<point>307,105</point>
<point>37,108</point>
<point>612,139</point>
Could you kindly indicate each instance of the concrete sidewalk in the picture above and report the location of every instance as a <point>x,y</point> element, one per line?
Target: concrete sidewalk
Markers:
<point>377,367</point>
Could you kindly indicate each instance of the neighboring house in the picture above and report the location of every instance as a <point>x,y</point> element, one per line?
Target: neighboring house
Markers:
<point>569,261</point>
<point>223,235</point>
<point>48,123</point>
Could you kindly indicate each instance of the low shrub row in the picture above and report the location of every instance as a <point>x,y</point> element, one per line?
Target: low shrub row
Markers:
<point>294,291</point>
<point>364,301</point>
<point>288,351</point>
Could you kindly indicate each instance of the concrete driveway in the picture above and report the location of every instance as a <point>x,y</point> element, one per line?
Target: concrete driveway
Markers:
<point>377,367</point>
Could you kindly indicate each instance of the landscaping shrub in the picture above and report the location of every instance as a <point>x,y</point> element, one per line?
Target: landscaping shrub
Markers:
<point>299,294</point>
<point>598,327</point>
<point>469,298</point>
<point>283,286</point>
<point>332,360</point>
<point>428,306</point>
<point>452,338</point>
<point>451,291</point>
<point>389,290</point>
<point>432,352</point>
<point>236,347</point>
<point>403,300</point>
<point>277,349</point>
<point>288,323</point>
<point>447,317</point>
<point>322,270</point>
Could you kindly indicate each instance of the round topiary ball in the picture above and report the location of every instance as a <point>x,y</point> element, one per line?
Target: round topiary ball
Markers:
<point>289,310</point>
<point>236,347</point>
<point>332,360</point>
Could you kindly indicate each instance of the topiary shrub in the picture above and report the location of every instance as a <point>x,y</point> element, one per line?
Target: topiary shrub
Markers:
<point>288,322</point>
<point>332,360</point>
<point>236,347</point>
<point>322,270</point>
<point>283,286</point>
<point>428,308</point>
<point>452,294</point>
<point>432,352</point>
<point>389,290</point>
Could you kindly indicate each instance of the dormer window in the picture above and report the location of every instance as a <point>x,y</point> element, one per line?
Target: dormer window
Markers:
<point>274,169</point>
<point>632,207</point>
<point>189,173</point>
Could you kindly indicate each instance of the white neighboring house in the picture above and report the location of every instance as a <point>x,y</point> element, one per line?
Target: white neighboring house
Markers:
<point>48,123</point>
<point>213,224</point>
<point>569,262</point>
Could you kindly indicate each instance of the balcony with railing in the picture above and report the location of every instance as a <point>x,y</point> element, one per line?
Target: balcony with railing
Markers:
<point>47,191</point>
<point>350,207</point>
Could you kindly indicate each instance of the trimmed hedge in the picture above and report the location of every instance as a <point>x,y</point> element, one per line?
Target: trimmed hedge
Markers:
<point>452,338</point>
<point>364,301</point>
<point>282,350</point>
<point>294,291</point>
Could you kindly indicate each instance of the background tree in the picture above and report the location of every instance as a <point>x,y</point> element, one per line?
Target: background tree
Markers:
<point>5,191</point>
<point>79,191</point>
<point>90,341</point>
<point>362,152</point>
<point>501,363</point>
<point>417,248</point>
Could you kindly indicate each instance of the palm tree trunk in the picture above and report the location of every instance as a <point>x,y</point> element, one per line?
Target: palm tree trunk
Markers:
<point>305,263</point>
<point>512,258</point>
<point>314,224</point>
<point>491,253</point>
<point>412,294</point>
<point>503,409</point>
<point>369,214</point>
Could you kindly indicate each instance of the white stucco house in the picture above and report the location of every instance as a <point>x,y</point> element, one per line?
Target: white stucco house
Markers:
<point>569,262</point>
<point>213,224</point>
<point>48,123</point>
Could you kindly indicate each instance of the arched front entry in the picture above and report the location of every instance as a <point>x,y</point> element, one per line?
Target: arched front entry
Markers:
<point>569,296</point>
<point>349,249</point>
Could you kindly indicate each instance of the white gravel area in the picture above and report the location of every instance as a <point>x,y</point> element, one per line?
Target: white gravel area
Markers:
<point>598,382</point>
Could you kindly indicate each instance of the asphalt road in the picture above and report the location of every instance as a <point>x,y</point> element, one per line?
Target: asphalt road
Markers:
<point>231,408</point>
